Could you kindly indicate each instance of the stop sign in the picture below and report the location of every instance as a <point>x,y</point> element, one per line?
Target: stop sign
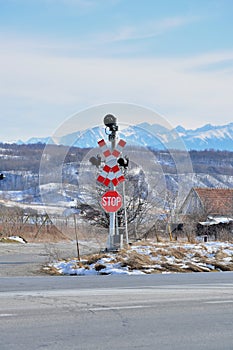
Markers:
<point>111,201</point>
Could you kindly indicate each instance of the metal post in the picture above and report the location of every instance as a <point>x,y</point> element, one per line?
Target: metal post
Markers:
<point>112,216</point>
<point>76,237</point>
<point>114,238</point>
<point>125,214</point>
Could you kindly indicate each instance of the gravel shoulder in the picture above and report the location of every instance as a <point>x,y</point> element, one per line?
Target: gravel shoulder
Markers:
<point>27,259</point>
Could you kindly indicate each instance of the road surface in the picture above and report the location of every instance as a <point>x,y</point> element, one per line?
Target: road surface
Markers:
<point>27,259</point>
<point>164,312</point>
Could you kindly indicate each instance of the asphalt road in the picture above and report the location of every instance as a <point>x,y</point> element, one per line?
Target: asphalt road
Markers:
<point>173,311</point>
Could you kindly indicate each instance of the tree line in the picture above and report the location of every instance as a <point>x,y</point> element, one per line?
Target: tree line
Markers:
<point>28,157</point>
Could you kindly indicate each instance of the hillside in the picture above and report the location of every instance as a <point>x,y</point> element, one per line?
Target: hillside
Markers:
<point>21,164</point>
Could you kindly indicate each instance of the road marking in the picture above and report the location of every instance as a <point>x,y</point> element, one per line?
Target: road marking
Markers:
<point>7,315</point>
<point>219,302</point>
<point>110,308</point>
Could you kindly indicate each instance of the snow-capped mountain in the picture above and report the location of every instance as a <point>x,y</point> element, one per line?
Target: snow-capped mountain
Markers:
<point>208,137</point>
<point>154,136</point>
<point>33,140</point>
<point>83,139</point>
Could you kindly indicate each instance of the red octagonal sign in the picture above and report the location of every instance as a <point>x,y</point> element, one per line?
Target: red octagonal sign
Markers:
<point>111,201</point>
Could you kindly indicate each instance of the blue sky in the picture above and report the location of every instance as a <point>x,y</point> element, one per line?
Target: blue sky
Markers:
<point>58,57</point>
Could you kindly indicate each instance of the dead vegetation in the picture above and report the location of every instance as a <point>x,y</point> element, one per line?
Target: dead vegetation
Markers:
<point>137,261</point>
<point>153,257</point>
<point>8,240</point>
<point>92,259</point>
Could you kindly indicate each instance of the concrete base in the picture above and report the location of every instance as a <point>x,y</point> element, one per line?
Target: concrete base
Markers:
<point>115,242</point>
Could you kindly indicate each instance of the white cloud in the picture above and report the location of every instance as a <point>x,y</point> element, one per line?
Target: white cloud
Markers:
<point>184,93</point>
<point>144,30</point>
<point>208,59</point>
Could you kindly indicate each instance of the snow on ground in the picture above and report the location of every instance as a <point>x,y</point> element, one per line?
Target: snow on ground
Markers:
<point>149,257</point>
<point>12,239</point>
<point>17,239</point>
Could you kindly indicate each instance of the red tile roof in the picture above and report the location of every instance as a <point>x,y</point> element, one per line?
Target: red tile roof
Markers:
<point>216,200</point>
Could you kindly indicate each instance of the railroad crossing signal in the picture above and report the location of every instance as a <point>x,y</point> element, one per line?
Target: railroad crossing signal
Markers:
<point>112,176</point>
<point>111,171</point>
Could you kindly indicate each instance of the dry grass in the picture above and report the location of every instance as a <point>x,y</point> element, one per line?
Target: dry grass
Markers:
<point>172,268</point>
<point>222,266</point>
<point>178,253</point>
<point>99,267</point>
<point>8,240</point>
<point>194,268</point>
<point>136,261</point>
<point>50,270</point>
<point>221,255</point>
<point>93,258</point>
<point>197,255</point>
<point>158,252</point>
<point>161,257</point>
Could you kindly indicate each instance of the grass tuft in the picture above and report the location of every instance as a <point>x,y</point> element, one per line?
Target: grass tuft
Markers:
<point>137,261</point>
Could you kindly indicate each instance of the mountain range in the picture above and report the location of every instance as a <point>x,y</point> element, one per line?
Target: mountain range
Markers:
<point>153,136</point>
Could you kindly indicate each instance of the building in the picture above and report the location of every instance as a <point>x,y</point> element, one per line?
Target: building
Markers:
<point>204,202</point>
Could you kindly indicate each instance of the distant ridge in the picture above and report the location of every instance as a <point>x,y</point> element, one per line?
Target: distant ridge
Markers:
<point>153,136</point>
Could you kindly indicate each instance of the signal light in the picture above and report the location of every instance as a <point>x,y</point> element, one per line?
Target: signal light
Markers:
<point>123,162</point>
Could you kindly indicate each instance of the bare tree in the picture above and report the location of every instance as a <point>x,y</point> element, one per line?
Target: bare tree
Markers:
<point>141,206</point>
